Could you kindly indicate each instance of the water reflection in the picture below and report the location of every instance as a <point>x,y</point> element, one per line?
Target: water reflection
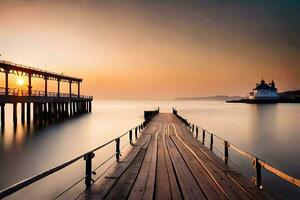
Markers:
<point>269,131</point>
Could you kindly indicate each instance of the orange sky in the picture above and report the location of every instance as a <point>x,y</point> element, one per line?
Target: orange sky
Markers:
<point>143,50</point>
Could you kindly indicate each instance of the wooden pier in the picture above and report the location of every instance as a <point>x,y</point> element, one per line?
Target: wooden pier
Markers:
<point>167,162</point>
<point>43,105</point>
<point>166,159</point>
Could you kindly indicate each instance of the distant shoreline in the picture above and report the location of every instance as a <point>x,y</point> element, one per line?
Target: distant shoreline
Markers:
<point>214,98</point>
<point>264,101</point>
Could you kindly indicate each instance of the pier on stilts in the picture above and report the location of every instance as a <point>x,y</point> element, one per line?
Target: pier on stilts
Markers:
<point>42,105</point>
<point>166,159</point>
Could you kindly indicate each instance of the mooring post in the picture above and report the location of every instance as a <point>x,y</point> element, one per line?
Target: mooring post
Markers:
<point>257,166</point>
<point>203,137</point>
<point>23,113</point>
<point>197,132</point>
<point>130,136</point>
<point>226,151</point>
<point>211,141</point>
<point>15,119</point>
<point>136,133</point>
<point>118,152</point>
<point>88,168</point>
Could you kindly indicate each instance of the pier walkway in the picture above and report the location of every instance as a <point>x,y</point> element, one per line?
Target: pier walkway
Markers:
<point>168,162</point>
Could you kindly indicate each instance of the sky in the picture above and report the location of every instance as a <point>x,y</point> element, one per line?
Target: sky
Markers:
<point>156,49</point>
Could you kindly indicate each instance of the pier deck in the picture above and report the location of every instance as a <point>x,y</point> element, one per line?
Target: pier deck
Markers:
<point>167,162</point>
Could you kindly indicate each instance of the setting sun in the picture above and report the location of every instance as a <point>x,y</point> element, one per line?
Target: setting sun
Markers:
<point>20,82</point>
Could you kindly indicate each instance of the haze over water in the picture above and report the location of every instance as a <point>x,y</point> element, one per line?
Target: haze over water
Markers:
<point>269,131</point>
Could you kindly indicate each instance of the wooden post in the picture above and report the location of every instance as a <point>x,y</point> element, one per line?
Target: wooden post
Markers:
<point>70,89</point>
<point>58,88</point>
<point>226,151</point>
<point>15,119</point>
<point>203,137</point>
<point>6,82</point>
<point>28,113</point>
<point>130,136</point>
<point>211,141</point>
<point>46,86</point>
<point>197,132</point>
<point>193,127</point>
<point>257,166</point>
<point>88,168</point>
<point>118,153</point>
<point>23,113</point>
<point>78,90</point>
<point>29,86</point>
<point>2,115</point>
<point>136,133</point>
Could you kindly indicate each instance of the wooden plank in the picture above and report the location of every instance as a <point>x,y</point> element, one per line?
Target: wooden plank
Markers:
<point>104,184</point>
<point>231,190</point>
<point>211,155</point>
<point>250,188</point>
<point>124,184</point>
<point>188,184</point>
<point>144,185</point>
<point>205,182</point>
<point>174,184</point>
<point>162,186</point>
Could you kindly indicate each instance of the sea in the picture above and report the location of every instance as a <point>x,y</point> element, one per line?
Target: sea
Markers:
<point>270,131</point>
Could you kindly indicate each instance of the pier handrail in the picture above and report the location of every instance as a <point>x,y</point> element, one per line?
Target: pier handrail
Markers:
<point>256,162</point>
<point>40,93</point>
<point>88,156</point>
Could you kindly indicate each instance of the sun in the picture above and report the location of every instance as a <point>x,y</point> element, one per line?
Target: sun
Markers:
<point>20,82</point>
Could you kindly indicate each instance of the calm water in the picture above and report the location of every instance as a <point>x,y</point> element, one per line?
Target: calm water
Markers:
<point>272,132</point>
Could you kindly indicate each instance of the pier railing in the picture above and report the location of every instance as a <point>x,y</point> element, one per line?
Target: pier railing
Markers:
<point>39,93</point>
<point>257,163</point>
<point>88,156</point>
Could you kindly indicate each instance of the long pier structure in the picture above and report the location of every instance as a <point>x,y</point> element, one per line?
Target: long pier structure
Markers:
<point>167,159</point>
<point>43,105</point>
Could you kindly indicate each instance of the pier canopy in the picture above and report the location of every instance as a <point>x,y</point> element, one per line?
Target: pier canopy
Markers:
<point>18,69</point>
<point>10,68</point>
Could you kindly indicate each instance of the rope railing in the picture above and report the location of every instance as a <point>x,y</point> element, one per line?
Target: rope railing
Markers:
<point>88,156</point>
<point>257,163</point>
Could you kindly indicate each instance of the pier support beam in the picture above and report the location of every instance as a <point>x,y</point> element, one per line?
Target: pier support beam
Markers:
<point>15,118</point>
<point>29,87</point>
<point>2,115</point>
<point>46,86</point>
<point>22,113</point>
<point>58,88</point>
<point>28,113</point>
<point>90,106</point>
<point>6,82</point>
<point>78,92</point>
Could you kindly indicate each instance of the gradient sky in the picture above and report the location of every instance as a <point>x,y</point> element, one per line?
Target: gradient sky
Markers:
<point>157,49</point>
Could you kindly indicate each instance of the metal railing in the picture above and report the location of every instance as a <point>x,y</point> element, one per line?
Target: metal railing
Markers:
<point>39,93</point>
<point>88,156</point>
<point>257,163</point>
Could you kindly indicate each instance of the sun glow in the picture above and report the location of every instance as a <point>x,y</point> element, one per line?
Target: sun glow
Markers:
<point>20,82</point>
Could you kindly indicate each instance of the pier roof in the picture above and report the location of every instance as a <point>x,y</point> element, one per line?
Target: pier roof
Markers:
<point>14,68</point>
